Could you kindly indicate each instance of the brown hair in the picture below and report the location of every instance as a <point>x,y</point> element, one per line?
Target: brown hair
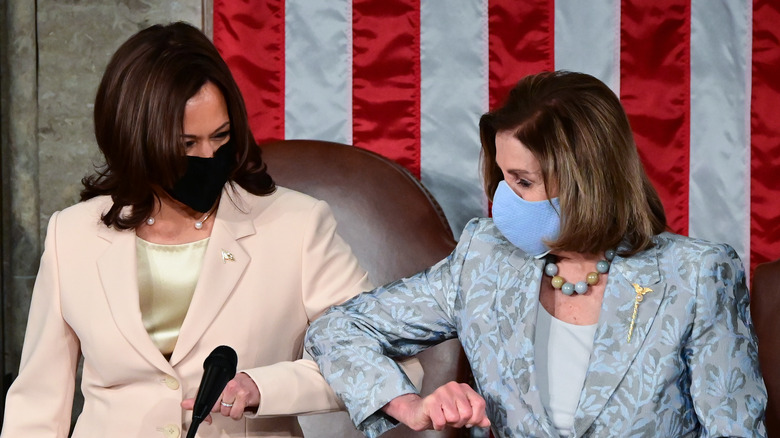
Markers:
<point>139,115</point>
<point>578,131</point>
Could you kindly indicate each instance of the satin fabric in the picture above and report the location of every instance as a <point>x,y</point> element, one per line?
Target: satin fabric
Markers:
<point>167,276</point>
<point>587,36</point>
<point>452,93</point>
<point>520,43</point>
<point>318,70</point>
<point>720,123</point>
<point>765,132</point>
<point>654,89</point>
<point>386,79</point>
<point>259,72</point>
<point>516,38</point>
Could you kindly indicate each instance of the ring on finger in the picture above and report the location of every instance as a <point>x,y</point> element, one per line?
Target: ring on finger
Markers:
<point>227,405</point>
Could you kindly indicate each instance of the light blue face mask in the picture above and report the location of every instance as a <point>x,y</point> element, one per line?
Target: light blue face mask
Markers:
<point>527,224</point>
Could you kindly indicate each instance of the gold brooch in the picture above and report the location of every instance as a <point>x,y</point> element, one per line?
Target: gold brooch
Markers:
<point>640,295</point>
<point>227,256</point>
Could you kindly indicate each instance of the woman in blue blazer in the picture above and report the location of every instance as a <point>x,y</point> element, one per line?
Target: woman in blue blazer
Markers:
<point>579,314</point>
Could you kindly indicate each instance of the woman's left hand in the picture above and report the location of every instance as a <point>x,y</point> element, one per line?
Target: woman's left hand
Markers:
<point>239,394</point>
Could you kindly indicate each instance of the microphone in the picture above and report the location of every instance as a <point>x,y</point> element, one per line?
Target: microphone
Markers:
<point>218,369</point>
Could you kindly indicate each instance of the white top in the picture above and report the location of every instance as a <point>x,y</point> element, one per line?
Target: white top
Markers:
<point>562,352</point>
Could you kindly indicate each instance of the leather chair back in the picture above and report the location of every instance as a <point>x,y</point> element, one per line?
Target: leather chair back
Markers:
<point>395,228</point>
<point>765,309</point>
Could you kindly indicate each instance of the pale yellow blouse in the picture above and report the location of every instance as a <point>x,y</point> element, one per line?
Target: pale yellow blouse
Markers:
<point>167,275</point>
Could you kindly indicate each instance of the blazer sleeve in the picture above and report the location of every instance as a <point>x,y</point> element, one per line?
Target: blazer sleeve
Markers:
<point>728,393</point>
<point>330,275</point>
<point>40,400</point>
<point>353,343</point>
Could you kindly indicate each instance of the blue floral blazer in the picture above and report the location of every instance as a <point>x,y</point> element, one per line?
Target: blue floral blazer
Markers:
<point>689,369</point>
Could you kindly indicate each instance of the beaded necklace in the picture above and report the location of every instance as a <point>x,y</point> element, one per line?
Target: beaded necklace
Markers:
<point>558,282</point>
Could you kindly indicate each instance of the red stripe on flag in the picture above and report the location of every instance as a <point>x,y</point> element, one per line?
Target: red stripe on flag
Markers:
<point>765,134</point>
<point>655,91</point>
<point>386,79</point>
<point>250,37</point>
<point>521,41</point>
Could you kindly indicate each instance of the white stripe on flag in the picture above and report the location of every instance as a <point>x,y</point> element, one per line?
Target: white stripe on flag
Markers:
<point>587,39</point>
<point>719,198</point>
<point>318,70</point>
<point>453,96</point>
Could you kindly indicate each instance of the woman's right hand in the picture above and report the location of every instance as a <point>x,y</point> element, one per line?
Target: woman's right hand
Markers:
<point>452,404</point>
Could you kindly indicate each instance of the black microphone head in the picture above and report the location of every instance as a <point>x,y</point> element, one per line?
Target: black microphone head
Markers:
<point>223,357</point>
<point>218,368</point>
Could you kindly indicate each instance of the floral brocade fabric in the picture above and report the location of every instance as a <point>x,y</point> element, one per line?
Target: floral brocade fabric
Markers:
<point>689,369</point>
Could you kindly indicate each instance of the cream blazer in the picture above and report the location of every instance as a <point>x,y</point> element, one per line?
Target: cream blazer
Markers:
<point>272,265</point>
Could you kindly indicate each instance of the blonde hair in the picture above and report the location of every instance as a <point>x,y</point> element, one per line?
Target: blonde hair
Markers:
<point>578,131</point>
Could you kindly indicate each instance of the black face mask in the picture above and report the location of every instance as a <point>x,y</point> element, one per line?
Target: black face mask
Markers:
<point>202,182</point>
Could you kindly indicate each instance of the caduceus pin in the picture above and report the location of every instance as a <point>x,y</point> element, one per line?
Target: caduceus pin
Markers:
<point>640,295</point>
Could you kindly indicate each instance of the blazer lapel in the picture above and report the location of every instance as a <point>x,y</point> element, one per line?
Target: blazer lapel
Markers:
<point>613,353</point>
<point>517,302</point>
<point>223,265</point>
<point>118,275</point>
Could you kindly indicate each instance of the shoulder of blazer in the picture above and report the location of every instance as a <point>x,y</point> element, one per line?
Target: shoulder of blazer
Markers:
<point>684,247</point>
<point>79,228</point>
<point>85,216</point>
<point>282,199</point>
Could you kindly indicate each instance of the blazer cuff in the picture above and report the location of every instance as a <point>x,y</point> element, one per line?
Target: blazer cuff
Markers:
<point>291,388</point>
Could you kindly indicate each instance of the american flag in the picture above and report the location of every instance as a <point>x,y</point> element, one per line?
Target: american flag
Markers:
<point>409,79</point>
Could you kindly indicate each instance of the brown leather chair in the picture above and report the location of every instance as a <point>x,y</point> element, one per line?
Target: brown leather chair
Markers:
<point>395,228</point>
<point>765,311</point>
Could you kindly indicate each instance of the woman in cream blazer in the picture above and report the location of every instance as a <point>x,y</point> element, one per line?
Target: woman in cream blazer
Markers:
<point>181,243</point>
<point>273,263</point>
